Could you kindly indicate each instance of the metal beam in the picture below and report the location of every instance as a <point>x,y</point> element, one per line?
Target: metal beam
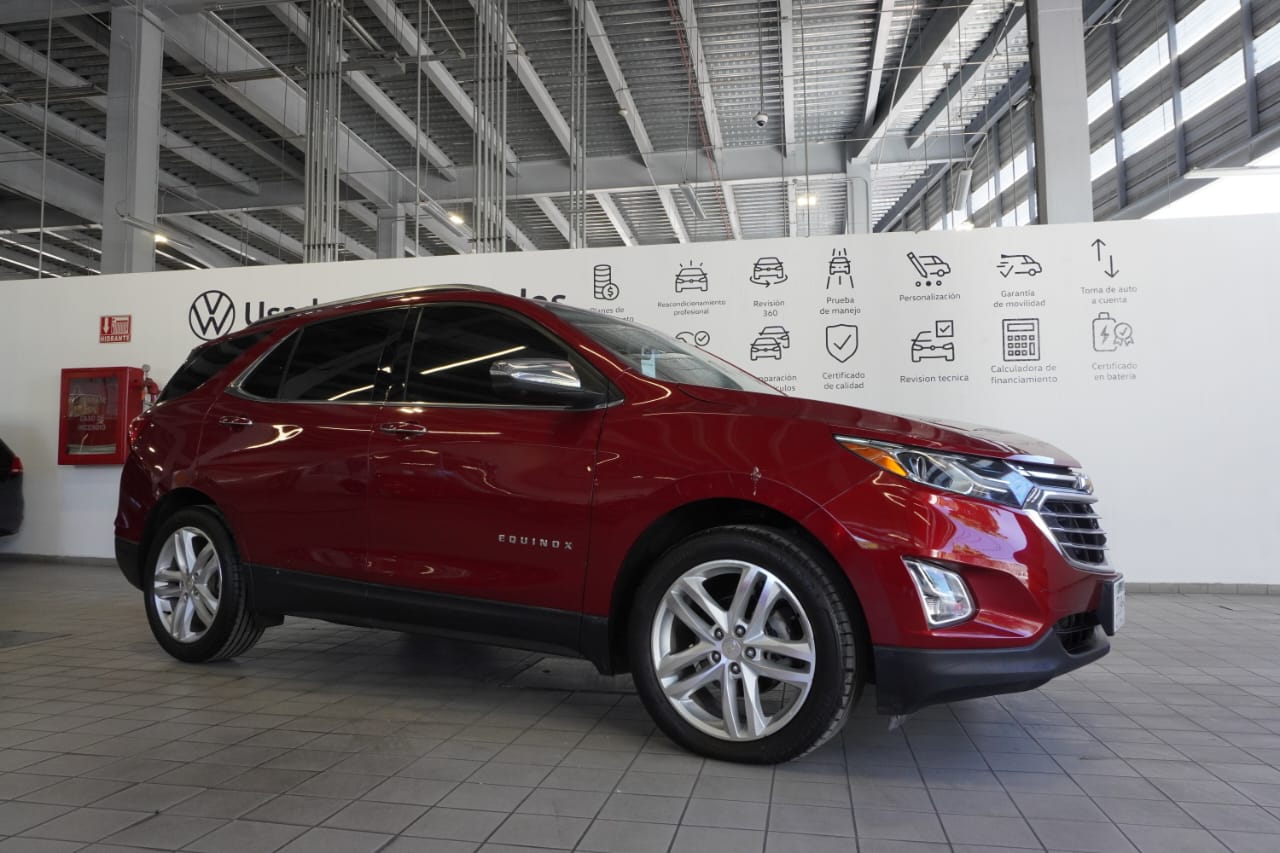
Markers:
<point>60,76</point>
<point>970,71</point>
<point>51,251</point>
<point>879,51</point>
<point>907,200</point>
<point>617,80</point>
<point>731,206</point>
<point>937,43</point>
<point>91,33</point>
<point>352,245</point>
<point>217,240</point>
<point>785,34</point>
<point>411,42</point>
<point>130,187</point>
<point>518,59</point>
<point>702,76</point>
<point>86,140</point>
<point>673,214</point>
<point>793,225</point>
<point>518,237</point>
<point>299,24</point>
<point>615,218</point>
<point>554,216</point>
<point>60,186</point>
<point>1064,190</point>
<point>205,252</point>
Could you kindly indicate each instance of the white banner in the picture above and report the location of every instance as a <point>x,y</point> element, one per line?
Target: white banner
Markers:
<point>1142,348</point>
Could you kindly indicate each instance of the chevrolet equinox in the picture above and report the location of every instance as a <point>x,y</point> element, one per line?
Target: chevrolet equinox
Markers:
<point>461,461</point>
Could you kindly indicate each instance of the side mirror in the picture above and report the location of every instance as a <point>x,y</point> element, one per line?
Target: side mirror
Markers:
<point>542,380</point>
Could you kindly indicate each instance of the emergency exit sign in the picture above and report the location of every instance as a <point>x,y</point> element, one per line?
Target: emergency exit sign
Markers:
<point>115,329</point>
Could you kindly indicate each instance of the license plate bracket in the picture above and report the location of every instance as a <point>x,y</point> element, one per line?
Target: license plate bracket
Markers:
<point>1111,607</point>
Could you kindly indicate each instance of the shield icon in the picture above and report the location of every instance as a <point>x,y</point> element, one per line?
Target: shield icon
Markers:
<point>842,341</point>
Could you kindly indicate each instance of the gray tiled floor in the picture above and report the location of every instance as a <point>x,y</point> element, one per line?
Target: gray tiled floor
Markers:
<point>333,738</point>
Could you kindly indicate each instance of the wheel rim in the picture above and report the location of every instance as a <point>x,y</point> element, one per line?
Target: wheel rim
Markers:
<point>733,650</point>
<point>187,587</point>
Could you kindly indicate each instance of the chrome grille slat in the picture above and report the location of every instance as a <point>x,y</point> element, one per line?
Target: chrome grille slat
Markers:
<point>1066,513</point>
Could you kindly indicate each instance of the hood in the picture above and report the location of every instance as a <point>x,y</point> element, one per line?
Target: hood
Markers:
<point>855,422</point>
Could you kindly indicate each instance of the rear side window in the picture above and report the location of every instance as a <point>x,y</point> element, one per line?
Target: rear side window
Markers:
<point>205,362</point>
<point>330,361</point>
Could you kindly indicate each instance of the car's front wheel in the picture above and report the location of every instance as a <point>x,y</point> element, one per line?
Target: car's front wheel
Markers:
<point>742,647</point>
<point>194,587</point>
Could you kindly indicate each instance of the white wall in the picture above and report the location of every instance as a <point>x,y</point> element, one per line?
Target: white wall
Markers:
<point>1179,444</point>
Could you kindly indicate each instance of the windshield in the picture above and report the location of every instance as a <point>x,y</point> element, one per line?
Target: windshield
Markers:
<point>653,354</point>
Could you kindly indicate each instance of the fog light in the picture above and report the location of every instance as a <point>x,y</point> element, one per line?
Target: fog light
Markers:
<point>943,593</point>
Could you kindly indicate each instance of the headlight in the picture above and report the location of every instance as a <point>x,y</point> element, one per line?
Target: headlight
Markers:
<point>977,476</point>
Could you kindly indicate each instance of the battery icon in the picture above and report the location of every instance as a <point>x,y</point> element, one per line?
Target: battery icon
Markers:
<point>1104,333</point>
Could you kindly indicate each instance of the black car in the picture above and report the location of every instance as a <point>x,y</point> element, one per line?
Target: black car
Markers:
<point>11,505</point>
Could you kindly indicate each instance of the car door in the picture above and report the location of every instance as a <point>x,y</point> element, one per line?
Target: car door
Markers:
<point>474,493</point>
<point>285,450</point>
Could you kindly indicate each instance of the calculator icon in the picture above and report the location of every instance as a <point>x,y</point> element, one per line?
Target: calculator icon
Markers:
<point>1022,339</point>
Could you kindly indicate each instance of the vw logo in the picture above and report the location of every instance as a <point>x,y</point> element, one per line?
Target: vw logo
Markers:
<point>212,314</point>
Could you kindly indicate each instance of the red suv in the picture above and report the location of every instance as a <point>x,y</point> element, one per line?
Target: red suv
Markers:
<point>461,461</point>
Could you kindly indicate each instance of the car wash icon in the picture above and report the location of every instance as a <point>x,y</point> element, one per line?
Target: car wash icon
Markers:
<point>1015,264</point>
<point>602,286</point>
<point>839,269</point>
<point>691,277</point>
<point>768,271</point>
<point>935,342</point>
<point>930,268</point>
<point>1109,334</point>
<point>699,338</point>
<point>770,343</point>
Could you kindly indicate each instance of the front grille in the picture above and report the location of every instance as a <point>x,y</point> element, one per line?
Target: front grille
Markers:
<point>1066,508</point>
<point>1075,632</point>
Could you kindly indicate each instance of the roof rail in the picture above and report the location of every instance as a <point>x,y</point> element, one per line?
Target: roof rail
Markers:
<point>369,297</point>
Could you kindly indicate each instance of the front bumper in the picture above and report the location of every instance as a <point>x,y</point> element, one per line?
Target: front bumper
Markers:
<point>910,679</point>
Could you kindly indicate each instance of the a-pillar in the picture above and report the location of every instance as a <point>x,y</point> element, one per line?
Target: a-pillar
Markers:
<point>133,140</point>
<point>390,232</point>
<point>1064,188</point>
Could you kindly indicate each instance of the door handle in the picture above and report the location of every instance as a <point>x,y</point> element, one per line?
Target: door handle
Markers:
<point>234,420</point>
<point>404,428</point>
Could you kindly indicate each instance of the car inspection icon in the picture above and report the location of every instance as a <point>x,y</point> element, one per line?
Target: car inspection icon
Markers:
<point>691,277</point>
<point>768,271</point>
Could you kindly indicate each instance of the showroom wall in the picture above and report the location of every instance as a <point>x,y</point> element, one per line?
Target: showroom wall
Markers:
<point>1142,348</point>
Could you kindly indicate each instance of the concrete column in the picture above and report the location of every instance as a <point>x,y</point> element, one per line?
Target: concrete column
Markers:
<point>133,141</point>
<point>1063,188</point>
<point>858,189</point>
<point>390,233</point>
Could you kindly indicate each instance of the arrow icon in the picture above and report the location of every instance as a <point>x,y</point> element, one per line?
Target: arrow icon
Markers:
<point>1097,245</point>
<point>1111,270</point>
<point>106,325</point>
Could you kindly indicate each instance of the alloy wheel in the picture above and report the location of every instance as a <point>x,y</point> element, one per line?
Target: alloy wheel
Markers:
<point>733,650</point>
<point>188,584</point>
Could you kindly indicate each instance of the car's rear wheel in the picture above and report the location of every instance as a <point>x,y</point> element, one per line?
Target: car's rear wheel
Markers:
<point>742,647</point>
<point>194,587</point>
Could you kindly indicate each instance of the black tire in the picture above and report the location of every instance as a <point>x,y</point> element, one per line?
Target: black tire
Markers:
<point>836,632</point>
<point>233,630</point>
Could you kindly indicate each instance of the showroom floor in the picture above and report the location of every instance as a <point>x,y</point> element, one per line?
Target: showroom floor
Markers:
<point>326,738</point>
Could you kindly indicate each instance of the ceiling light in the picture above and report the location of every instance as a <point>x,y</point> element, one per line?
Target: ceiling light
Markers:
<point>808,200</point>
<point>455,219</point>
<point>160,238</point>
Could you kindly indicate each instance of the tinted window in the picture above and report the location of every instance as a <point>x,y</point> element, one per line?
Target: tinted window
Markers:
<point>205,361</point>
<point>455,345</point>
<point>653,354</point>
<point>333,360</point>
